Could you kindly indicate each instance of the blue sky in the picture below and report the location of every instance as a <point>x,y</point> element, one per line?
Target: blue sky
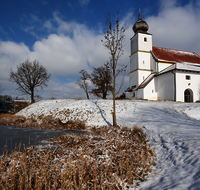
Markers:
<point>65,36</point>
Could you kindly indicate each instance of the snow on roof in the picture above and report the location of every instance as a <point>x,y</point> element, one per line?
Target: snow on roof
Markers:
<point>181,66</point>
<point>188,67</point>
<point>178,56</point>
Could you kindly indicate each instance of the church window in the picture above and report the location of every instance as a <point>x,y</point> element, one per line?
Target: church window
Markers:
<point>187,77</point>
<point>143,62</point>
<point>145,39</point>
<point>152,91</point>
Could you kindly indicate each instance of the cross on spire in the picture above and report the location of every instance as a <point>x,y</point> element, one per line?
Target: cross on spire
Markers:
<point>139,17</point>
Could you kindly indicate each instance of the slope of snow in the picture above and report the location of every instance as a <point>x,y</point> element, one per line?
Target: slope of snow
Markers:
<point>172,128</point>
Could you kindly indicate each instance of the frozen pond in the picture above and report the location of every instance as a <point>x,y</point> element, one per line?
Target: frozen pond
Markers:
<point>11,137</point>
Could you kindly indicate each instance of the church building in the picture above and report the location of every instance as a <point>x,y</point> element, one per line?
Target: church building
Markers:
<point>159,73</point>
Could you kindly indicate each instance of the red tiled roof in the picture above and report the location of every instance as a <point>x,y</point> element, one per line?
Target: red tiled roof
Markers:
<point>171,55</point>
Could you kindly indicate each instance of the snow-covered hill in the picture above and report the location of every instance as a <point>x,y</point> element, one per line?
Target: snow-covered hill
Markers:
<point>173,130</point>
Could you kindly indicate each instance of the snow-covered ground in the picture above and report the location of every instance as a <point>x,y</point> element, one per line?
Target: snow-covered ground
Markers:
<point>172,128</point>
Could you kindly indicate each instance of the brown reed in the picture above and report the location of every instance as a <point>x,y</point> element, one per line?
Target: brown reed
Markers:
<point>105,158</point>
<point>47,122</point>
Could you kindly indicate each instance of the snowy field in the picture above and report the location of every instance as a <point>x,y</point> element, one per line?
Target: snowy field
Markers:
<point>172,128</point>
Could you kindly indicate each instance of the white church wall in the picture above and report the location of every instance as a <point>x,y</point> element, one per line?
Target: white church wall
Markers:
<point>133,79</point>
<point>182,84</point>
<point>162,66</point>
<point>150,92</point>
<point>165,86</point>
<point>144,45</point>
<point>139,94</point>
<point>129,95</point>
<point>141,42</point>
<point>153,64</point>
<point>134,62</point>
<point>142,75</point>
<point>134,44</point>
<point>144,60</point>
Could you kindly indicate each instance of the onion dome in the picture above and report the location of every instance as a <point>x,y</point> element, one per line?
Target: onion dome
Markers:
<point>140,26</point>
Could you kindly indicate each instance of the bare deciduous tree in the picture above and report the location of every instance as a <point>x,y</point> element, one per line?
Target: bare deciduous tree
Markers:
<point>120,72</point>
<point>101,77</point>
<point>29,76</point>
<point>83,81</point>
<point>114,41</point>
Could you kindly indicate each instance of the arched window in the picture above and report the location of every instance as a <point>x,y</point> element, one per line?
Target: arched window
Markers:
<point>188,95</point>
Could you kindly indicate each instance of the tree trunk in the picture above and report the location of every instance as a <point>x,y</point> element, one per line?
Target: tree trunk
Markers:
<point>87,95</point>
<point>104,95</point>
<point>32,96</point>
<point>114,112</point>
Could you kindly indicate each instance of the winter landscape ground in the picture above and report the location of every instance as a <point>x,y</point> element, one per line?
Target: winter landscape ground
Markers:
<point>173,130</point>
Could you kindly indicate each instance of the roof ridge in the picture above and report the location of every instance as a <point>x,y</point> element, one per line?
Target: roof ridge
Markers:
<point>175,49</point>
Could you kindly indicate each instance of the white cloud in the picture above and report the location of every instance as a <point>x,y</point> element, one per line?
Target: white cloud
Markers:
<point>34,18</point>
<point>176,27</point>
<point>63,54</point>
<point>71,46</point>
<point>48,25</point>
<point>84,2</point>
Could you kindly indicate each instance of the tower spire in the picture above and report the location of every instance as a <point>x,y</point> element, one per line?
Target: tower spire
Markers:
<point>139,17</point>
<point>140,26</point>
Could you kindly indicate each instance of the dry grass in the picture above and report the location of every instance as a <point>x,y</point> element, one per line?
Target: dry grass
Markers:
<point>105,158</point>
<point>47,122</point>
<point>9,119</point>
<point>7,115</point>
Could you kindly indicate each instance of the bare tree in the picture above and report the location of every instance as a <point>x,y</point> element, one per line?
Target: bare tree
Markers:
<point>114,41</point>
<point>83,82</point>
<point>120,72</point>
<point>29,76</point>
<point>101,77</point>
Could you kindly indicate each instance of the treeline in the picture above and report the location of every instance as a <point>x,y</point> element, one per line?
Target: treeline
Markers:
<point>10,98</point>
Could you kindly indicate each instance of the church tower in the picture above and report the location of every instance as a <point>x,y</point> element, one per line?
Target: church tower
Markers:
<point>140,58</point>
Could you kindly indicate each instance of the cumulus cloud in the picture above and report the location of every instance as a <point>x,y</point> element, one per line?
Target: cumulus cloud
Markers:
<point>176,26</point>
<point>71,46</point>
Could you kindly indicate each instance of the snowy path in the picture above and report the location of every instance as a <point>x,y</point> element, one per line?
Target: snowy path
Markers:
<point>171,127</point>
<point>176,140</point>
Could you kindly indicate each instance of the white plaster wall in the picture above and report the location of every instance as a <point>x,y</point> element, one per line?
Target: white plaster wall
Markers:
<point>150,92</point>
<point>134,62</point>
<point>144,60</point>
<point>165,86</point>
<point>142,75</point>
<point>153,64</point>
<point>142,45</point>
<point>137,77</point>
<point>129,95</point>
<point>183,84</point>
<point>133,79</point>
<point>139,94</point>
<point>162,66</point>
<point>134,44</point>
